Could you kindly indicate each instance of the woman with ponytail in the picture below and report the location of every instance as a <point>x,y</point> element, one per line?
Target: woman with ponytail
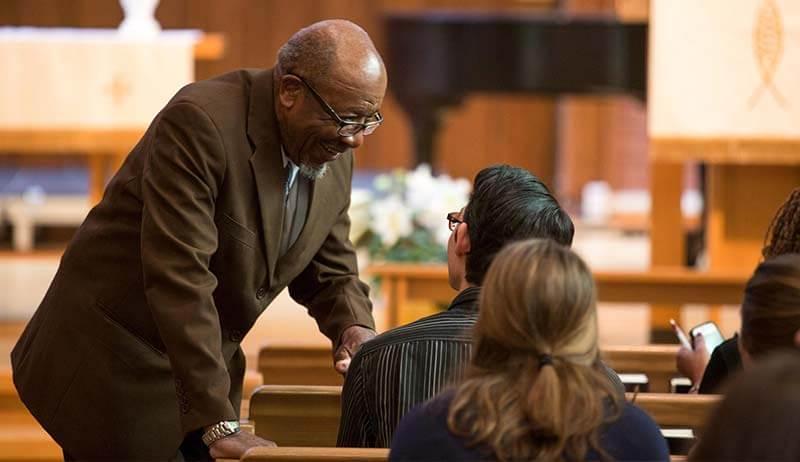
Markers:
<point>535,388</point>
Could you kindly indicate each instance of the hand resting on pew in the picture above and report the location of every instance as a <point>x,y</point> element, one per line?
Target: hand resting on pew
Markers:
<point>235,446</point>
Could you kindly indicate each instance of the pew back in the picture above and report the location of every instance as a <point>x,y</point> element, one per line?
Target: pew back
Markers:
<point>657,362</point>
<point>297,415</point>
<point>675,410</point>
<point>312,365</point>
<point>287,454</point>
<point>308,416</point>
<point>297,365</point>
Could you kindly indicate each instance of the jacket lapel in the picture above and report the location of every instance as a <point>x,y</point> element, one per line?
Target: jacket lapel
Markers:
<point>267,164</point>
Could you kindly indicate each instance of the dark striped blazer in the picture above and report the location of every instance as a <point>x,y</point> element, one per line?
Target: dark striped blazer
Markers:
<point>404,367</point>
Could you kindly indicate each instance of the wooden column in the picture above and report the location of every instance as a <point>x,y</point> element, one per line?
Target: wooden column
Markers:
<point>667,245</point>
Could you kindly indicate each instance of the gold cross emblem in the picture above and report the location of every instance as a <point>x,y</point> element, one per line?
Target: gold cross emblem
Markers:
<point>119,88</point>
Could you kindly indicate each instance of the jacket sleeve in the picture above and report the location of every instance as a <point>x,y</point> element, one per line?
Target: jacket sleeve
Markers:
<point>183,172</point>
<point>329,286</point>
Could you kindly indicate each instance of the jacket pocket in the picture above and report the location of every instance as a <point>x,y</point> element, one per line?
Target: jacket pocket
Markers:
<point>229,227</point>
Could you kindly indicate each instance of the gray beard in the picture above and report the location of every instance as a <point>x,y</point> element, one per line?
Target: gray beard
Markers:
<point>313,173</point>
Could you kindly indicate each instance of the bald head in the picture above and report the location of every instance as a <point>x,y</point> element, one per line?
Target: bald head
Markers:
<point>329,49</point>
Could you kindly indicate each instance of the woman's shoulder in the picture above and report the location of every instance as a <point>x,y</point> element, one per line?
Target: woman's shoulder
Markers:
<point>634,435</point>
<point>430,413</point>
<point>423,434</point>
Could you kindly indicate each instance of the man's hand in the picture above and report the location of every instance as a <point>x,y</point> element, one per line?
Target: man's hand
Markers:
<point>234,446</point>
<point>692,363</point>
<point>352,338</point>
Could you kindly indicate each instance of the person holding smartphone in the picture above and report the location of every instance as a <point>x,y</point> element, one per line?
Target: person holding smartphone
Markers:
<point>694,357</point>
<point>770,321</point>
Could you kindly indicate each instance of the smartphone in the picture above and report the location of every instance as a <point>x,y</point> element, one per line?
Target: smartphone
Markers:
<point>681,335</point>
<point>711,335</point>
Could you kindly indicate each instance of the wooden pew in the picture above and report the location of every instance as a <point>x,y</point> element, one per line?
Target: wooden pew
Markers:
<point>297,454</point>
<point>298,365</point>
<point>308,416</point>
<point>312,365</point>
<point>297,415</point>
<point>655,361</point>
<point>294,454</point>
<point>252,380</point>
<point>673,410</point>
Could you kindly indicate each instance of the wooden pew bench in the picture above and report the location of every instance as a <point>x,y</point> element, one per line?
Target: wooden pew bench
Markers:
<point>298,365</point>
<point>308,416</point>
<point>294,454</point>
<point>312,365</point>
<point>657,362</point>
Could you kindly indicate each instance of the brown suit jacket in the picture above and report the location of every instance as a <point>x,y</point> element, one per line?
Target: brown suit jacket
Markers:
<point>136,342</point>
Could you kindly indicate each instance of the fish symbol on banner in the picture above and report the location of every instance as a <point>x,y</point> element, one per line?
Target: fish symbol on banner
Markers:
<point>768,49</point>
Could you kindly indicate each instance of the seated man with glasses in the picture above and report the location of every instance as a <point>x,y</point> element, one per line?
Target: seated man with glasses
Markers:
<point>410,364</point>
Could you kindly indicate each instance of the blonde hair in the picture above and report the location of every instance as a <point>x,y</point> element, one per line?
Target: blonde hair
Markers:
<point>535,388</point>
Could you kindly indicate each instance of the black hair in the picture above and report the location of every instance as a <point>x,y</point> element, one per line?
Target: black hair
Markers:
<point>508,204</point>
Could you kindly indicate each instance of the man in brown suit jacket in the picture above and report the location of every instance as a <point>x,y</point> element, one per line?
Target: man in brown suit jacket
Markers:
<point>239,188</point>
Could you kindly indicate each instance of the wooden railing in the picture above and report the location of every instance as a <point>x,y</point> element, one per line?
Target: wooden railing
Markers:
<point>401,283</point>
<point>312,365</point>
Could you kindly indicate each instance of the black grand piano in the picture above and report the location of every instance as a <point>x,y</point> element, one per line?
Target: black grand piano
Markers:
<point>435,58</point>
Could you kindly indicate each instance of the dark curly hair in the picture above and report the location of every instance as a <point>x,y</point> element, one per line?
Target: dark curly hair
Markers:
<point>783,235</point>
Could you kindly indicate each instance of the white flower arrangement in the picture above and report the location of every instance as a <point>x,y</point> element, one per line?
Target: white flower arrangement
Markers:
<point>407,216</point>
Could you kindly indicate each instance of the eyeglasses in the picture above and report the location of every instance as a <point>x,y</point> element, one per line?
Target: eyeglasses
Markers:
<point>453,220</point>
<point>346,127</point>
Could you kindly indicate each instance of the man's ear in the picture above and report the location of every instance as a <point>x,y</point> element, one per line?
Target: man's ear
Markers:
<point>462,239</point>
<point>289,90</point>
<point>797,338</point>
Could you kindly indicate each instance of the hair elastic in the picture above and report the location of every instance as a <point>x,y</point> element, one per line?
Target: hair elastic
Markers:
<point>545,360</point>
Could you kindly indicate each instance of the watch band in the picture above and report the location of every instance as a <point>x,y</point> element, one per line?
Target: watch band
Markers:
<point>220,430</point>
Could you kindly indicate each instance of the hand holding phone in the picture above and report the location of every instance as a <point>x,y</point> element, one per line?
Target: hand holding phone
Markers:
<point>710,334</point>
<point>681,335</point>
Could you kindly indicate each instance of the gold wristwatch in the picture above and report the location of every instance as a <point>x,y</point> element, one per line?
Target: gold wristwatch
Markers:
<point>220,430</point>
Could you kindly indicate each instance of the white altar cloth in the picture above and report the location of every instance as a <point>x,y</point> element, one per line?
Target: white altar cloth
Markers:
<point>89,78</point>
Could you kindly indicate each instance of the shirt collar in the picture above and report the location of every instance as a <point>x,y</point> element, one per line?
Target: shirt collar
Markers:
<point>293,169</point>
<point>467,299</point>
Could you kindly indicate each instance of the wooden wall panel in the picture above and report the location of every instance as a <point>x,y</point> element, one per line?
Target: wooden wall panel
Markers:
<point>490,129</point>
